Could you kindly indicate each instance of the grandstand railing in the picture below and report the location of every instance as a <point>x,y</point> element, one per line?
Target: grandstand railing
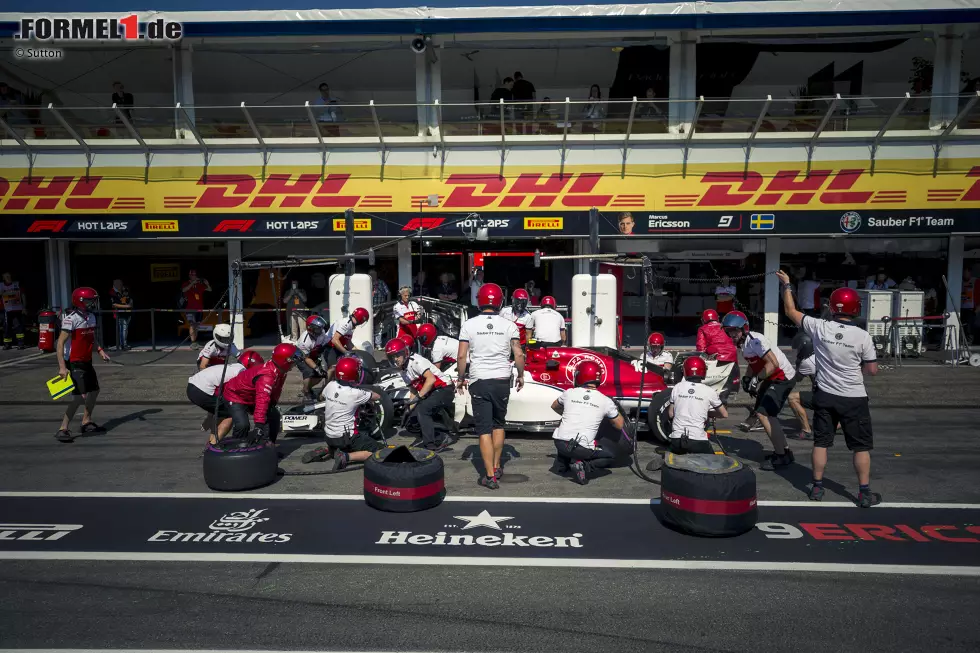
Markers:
<point>624,122</point>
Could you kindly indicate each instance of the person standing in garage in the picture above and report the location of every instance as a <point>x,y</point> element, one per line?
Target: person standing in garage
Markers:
<point>548,325</point>
<point>844,351</point>
<point>486,344</point>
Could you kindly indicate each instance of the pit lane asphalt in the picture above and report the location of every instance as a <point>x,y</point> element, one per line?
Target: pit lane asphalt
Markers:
<point>153,446</point>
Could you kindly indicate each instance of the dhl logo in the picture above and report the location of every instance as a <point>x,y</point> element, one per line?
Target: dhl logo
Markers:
<point>360,224</point>
<point>544,223</point>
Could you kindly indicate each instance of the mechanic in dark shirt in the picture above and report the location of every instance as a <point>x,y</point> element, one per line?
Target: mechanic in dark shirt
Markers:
<point>122,99</point>
<point>523,91</point>
<point>505,93</point>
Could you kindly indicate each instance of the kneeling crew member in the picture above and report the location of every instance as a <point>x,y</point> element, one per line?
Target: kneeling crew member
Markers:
<point>548,324</point>
<point>691,404</point>
<point>582,410</point>
<point>806,367</point>
<point>75,345</point>
<point>433,391</point>
<point>218,348</point>
<point>203,386</point>
<point>340,334</point>
<point>256,390</point>
<point>486,343</point>
<point>843,352</point>
<point>441,350</point>
<point>314,341</point>
<point>777,376</point>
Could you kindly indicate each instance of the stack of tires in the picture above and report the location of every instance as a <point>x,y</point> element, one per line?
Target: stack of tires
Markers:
<point>232,465</point>
<point>707,495</point>
<point>403,479</point>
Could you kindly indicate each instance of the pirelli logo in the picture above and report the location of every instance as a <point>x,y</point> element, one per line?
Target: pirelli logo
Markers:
<point>544,223</point>
<point>360,224</point>
<point>160,225</point>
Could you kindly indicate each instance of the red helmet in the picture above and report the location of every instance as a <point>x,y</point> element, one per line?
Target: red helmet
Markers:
<point>587,372</point>
<point>408,340</point>
<point>843,301</point>
<point>398,348</point>
<point>656,342</point>
<point>250,359</point>
<point>736,324</point>
<point>360,315</point>
<point>284,355</point>
<point>709,315</point>
<point>490,296</point>
<point>695,368</point>
<point>316,325</point>
<point>349,370</point>
<point>427,334</point>
<point>85,298</point>
<point>549,301</point>
<point>519,300</point>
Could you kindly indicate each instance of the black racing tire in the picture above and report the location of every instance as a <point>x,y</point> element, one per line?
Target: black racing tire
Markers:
<point>376,417</point>
<point>229,468</point>
<point>402,479</point>
<point>617,442</point>
<point>369,365</point>
<point>658,422</point>
<point>707,495</point>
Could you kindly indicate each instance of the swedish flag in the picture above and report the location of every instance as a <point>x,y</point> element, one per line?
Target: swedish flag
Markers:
<point>761,221</point>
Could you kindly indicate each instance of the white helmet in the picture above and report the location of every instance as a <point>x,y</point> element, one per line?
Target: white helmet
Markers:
<point>223,335</point>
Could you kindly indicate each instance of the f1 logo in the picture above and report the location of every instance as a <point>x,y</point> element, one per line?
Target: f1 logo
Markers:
<point>423,223</point>
<point>46,225</point>
<point>234,225</point>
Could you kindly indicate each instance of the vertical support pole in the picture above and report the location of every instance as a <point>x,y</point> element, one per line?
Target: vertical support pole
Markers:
<point>683,82</point>
<point>945,76</point>
<point>404,265</point>
<point>153,329</point>
<point>183,86</point>
<point>954,280</point>
<point>771,293</point>
<point>349,241</point>
<point>594,239</point>
<point>236,318</point>
<point>58,273</point>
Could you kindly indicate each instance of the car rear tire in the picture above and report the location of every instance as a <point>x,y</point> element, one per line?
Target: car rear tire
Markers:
<point>377,416</point>
<point>657,420</point>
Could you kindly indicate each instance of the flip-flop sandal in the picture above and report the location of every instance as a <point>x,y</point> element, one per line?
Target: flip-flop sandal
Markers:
<point>92,427</point>
<point>64,435</point>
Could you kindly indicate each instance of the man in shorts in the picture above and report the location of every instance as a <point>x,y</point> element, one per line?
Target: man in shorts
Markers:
<point>844,351</point>
<point>343,398</point>
<point>486,344</point>
<point>75,345</point>
<point>691,404</point>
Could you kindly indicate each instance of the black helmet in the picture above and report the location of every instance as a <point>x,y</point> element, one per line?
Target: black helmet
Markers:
<point>803,344</point>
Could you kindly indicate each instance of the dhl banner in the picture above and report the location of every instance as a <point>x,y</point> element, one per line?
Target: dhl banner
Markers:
<point>765,199</point>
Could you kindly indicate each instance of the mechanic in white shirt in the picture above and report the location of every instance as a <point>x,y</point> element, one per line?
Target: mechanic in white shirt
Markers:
<point>517,313</point>
<point>769,367</point>
<point>725,296</point>
<point>314,342</point>
<point>340,337</point>
<point>407,312</point>
<point>807,293</point>
<point>202,387</point>
<point>806,367</point>
<point>691,404</point>
<point>218,348</point>
<point>548,324</point>
<point>844,351</point>
<point>658,358</point>
<point>486,344</point>
<point>441,350</point>
<point>582,410</point>
<point>342,400</point>
<point>432,392</point>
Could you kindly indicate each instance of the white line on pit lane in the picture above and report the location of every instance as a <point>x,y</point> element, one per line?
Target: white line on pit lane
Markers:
<point>25,359</point>
<point>461,561</point>
<point>168,650</point>
<point>467,499</point>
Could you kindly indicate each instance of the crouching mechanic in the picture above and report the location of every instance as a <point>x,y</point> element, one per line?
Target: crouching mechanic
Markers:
<point>218,348</point>
<point>441,350</point>
<point>548,324</point>
<point>76,342</point>
<point>582,410</point>
<point>713,340</point>
<point>843,352</point>
<point>342,400</point>
<point>432,391</point>
<point>340,334</point>
<point>256,390</point>
<point>776,376</point>
<point>203,386</point>
<point>658,359</point>
<point>691,404</point>
<point>312,344</point>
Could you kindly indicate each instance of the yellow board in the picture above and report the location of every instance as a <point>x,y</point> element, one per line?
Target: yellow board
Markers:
<point>759,190</point>
<point>59,387</point>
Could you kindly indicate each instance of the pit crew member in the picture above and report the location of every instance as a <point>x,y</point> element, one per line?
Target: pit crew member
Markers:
<point>658,359</point>
<point>343,398</point>
<point>407,312</point>
<point>843,352</point>
<point>432,391</point>
<point>256,390</point>
<point>806,367</point>
<point>312,345</point>
<point>582,410</point>
<point>75,344</point>
<point>713,340</point>
<point>202,387</point>
<point>691,404</point>
<point>486,344</point>
<point>441,350</point>
<point>340,334</point>
<point>518,314</point>
<point>770,367</point>
<point>548,324</point>
<point>218,348</point>
<point>13,312</point>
